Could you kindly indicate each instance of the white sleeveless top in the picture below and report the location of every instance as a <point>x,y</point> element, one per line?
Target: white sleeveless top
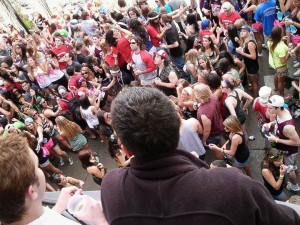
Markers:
<point>90,118</point>
<point>43,80</point>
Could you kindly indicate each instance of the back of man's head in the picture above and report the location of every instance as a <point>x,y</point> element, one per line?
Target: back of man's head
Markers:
<point>17,173</point>
<point>145,121</point>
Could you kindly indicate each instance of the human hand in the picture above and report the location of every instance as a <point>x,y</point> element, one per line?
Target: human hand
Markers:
<point>294,84</point>
<point>271,138</point>
<point>265,127</point>
<point>81,183</point>
<point>212,147</point>
<point>282,169</point>
<point>64,197</point>
<point>93,212</point>
<point>157,82</point>
<point>137,72</point>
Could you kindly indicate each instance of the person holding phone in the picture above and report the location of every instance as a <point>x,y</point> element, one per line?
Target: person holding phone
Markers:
<point>274,174</point>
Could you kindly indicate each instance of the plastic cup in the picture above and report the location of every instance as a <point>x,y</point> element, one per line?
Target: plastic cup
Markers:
<point>76,204</point>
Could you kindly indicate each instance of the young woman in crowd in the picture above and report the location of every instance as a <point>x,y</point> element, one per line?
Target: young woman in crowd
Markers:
<point>278,56</point>
<point>91,164</point>
<point>73,133</point>
<point>274,174</point>
<point>236,145</point>
<point>210,49</point>
<point>115,151</point>
<point>249,53</point>
<point>64,181</point>
<point>186,101</point>
<point>233,103</point>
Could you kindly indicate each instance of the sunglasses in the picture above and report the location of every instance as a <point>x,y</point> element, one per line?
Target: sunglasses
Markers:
<point>34,114</point>
<point>132,43</point>
<point>84,72</point>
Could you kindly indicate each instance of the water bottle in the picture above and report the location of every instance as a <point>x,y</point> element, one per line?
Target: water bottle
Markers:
<point>290,168</point>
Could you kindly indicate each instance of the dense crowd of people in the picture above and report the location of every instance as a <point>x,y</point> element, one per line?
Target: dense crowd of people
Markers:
<point>57,84</point>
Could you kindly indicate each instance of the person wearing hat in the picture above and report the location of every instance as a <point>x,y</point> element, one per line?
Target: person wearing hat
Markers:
<point>250,54</point>
<point>286,137</point>
<point>206,26</point>
<point>228,16</point>
<point>167,77</point>
<point>260,107</point>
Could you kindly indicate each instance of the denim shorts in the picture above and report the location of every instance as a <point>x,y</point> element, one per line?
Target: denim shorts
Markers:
<point>214,139</point>
<point>280,197</point>
<point>241,165</point>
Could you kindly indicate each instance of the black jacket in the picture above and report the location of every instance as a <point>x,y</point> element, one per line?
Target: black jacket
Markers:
<point>178,188</point>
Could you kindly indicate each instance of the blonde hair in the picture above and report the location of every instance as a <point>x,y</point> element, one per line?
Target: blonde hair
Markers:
<point>233,124</point>
<point>69,128</point>
<point>234,81</point>
<point>192,56</point>
<point>202,92</point>
<point>190,92</point>
<point>239,23</point>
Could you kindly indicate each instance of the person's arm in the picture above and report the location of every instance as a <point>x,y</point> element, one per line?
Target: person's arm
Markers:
<point>54,63</point>
<point>284,59</point>
<point>206,122</point>
<point>179,12</point>
<point>230,107</point>
<point>235,141</point>
<point>39,130</point>
<point>197,126</point>
<point>293,138</point>
<point>173,45</point>
<point>295,86</point>
<point>267,174</point>
<point>285,7</point>
<point>248,98</point>
<point>112,83</point>
<point>50,113</point>
<point>73,180</point>
<point>172,78</point>
<point>240,64</point>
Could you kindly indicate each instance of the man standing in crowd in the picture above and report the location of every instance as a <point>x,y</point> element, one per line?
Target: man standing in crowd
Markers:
<point>286,137</point>
<point>228,16</point>
<point>173,44</point>
<point>142,62</point>
<point>169,186</point>
<point>266,13</point>
<point>167,77</point>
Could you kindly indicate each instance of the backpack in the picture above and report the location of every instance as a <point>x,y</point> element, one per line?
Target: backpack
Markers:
<point>74,107</point>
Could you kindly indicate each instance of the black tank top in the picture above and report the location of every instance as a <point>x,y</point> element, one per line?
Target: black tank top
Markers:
<point>242,152</point>
<point>238,109</point>
<point>295,19</point>
<point>252,66</point>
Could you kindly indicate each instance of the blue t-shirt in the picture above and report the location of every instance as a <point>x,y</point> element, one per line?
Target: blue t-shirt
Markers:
<point>168,8</point>
<point>266,13</point>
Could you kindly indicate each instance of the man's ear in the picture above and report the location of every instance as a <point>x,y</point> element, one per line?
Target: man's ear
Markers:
<point>126,151</point>
<point>32,192</point>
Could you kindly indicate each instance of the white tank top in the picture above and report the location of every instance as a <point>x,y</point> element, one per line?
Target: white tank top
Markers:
<point>90,118</point>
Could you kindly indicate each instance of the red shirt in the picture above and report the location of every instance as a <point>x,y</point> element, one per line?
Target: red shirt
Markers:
<point>202,33</point>
<point>110,60</point>
<point>64,105</point>
<point>73,80</point>
<point>153,32</point>
<point>229,20</point>
<point>123,47</point>
<point>261,113</point>
<point>61,53</point>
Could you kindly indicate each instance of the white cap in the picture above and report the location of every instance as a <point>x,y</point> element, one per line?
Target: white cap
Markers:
<point>264,94</point>
<point>226,6</point>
